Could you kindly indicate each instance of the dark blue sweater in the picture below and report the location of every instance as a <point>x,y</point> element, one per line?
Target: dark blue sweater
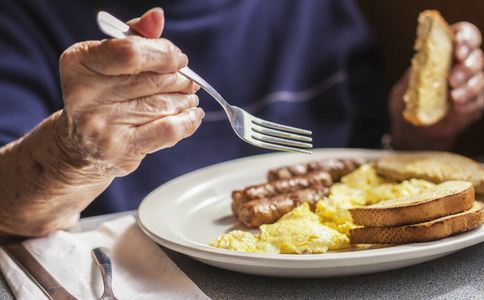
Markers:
<point>307,63</point>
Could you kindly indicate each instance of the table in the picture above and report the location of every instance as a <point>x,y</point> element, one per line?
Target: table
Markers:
<point>457,276</point>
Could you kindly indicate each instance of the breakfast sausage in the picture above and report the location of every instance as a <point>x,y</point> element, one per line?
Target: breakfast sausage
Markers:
<point>337,168</point>
<point>268,210</point>
<point>277,187</point>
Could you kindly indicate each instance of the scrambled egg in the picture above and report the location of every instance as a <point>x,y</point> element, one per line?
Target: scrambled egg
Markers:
<point>298,231</point>
<point>303,231</point>
<point>359,188</point>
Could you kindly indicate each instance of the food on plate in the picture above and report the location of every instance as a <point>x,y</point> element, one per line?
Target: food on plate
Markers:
<point>433,166</point>
<point>447,198</point>
<point>337,168</point>
<point>277,187</point>
<point>286,188</point>
<point>359,188</point>
<point>421,232</point>
<point>298,231</point>
<point>268,210</point>
<point>340,203</point>
<point>426,95</point>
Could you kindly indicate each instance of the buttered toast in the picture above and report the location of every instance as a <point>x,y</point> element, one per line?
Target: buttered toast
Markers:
<point>426,95</point>
<point>447,198</point>
<point>432,166</point>
<point>421,232</point>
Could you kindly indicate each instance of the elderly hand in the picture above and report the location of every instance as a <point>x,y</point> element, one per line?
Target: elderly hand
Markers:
<point>466,96</point>
<point>124,98</point>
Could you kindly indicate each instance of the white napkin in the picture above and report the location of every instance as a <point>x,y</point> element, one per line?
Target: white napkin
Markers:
<point>141,270</point>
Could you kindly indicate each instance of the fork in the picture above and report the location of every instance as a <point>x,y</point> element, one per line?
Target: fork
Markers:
<point>253,130</point>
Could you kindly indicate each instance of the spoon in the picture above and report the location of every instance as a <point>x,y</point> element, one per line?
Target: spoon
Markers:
<point>101,257</point>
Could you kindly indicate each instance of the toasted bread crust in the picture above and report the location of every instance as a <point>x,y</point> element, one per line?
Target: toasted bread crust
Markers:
<point>433,166</point>
<point>426,95</point>
<point>422,232</point>
<point>447,198</point>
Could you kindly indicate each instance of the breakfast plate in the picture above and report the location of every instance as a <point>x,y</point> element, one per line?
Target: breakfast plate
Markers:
<point>186,213</point>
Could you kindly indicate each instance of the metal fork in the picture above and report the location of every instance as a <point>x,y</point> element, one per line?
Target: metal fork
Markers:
<point>253,130</point>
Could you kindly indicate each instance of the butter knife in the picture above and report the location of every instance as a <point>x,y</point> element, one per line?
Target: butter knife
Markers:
<point>34,270</point>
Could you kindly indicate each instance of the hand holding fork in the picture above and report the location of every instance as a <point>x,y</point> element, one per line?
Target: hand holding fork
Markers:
<point>253,130</point>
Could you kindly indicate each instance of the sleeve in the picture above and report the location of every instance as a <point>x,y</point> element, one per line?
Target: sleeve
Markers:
<point>29,85</point>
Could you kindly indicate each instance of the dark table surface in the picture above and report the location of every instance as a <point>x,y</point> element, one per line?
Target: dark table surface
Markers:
<point>457,276</point>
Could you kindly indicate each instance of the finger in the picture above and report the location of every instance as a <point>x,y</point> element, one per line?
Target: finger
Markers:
<point>133,55</point>
<point>166,132</point>
<point>471,89</point>
<point>147,109</point>
<point>472,109</point>
<point>467,38</point>
<point>150,25</point>
<point>461,51</point>
<point>127,87</point>
<point>458,76</point>
<point>462,72</point>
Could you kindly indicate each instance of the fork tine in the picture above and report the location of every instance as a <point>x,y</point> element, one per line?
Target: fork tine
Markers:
<point>280,126</point>
<point>282,134</point>
<point>279,147</point>
<point>276,140</point>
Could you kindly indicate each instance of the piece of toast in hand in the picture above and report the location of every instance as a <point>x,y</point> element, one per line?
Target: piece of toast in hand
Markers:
<point>447,198</point>
<point>421,232</point>
<point>426,95</point>
<point>433,166</point>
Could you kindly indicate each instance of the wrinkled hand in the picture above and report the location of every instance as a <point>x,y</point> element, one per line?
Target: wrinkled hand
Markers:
<point>123,98</point>
<point>466,96</point>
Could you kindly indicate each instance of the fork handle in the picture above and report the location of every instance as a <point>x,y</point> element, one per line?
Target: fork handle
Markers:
<point>190,74</point>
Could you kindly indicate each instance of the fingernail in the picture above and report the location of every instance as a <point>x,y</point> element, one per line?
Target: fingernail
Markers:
<point>458,95</point>
<point>195,100</point>
<point>200,113</point>
<point>157,11</point>
<point>458,78</point>
<point>472,59</point>
<point>195,87</point>
<point>182,60</point>
<point>463,51</point>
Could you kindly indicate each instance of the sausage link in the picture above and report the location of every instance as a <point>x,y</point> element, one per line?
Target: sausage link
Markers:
<point>277,187</point>
<point>268,210</point>
<point>337,168</point>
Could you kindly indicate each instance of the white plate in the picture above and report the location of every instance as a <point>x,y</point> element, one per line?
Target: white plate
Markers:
<point>187,212</point>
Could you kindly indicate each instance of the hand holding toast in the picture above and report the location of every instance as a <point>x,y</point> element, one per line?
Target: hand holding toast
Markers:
<point>465,96</point>
<point>467,78</point>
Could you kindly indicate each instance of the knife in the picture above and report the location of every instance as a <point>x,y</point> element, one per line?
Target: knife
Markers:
<point>34,270</point>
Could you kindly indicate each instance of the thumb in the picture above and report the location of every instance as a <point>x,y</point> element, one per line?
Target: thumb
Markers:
<point>151,23</point>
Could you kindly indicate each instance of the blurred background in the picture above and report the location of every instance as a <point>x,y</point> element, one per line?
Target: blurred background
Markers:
<point>394,24</point>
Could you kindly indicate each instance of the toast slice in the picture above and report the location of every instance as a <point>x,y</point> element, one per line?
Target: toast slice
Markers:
<point>445,199</point>
<point>422,232</point>
<point>432,166</point>
<point>426,95</point>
